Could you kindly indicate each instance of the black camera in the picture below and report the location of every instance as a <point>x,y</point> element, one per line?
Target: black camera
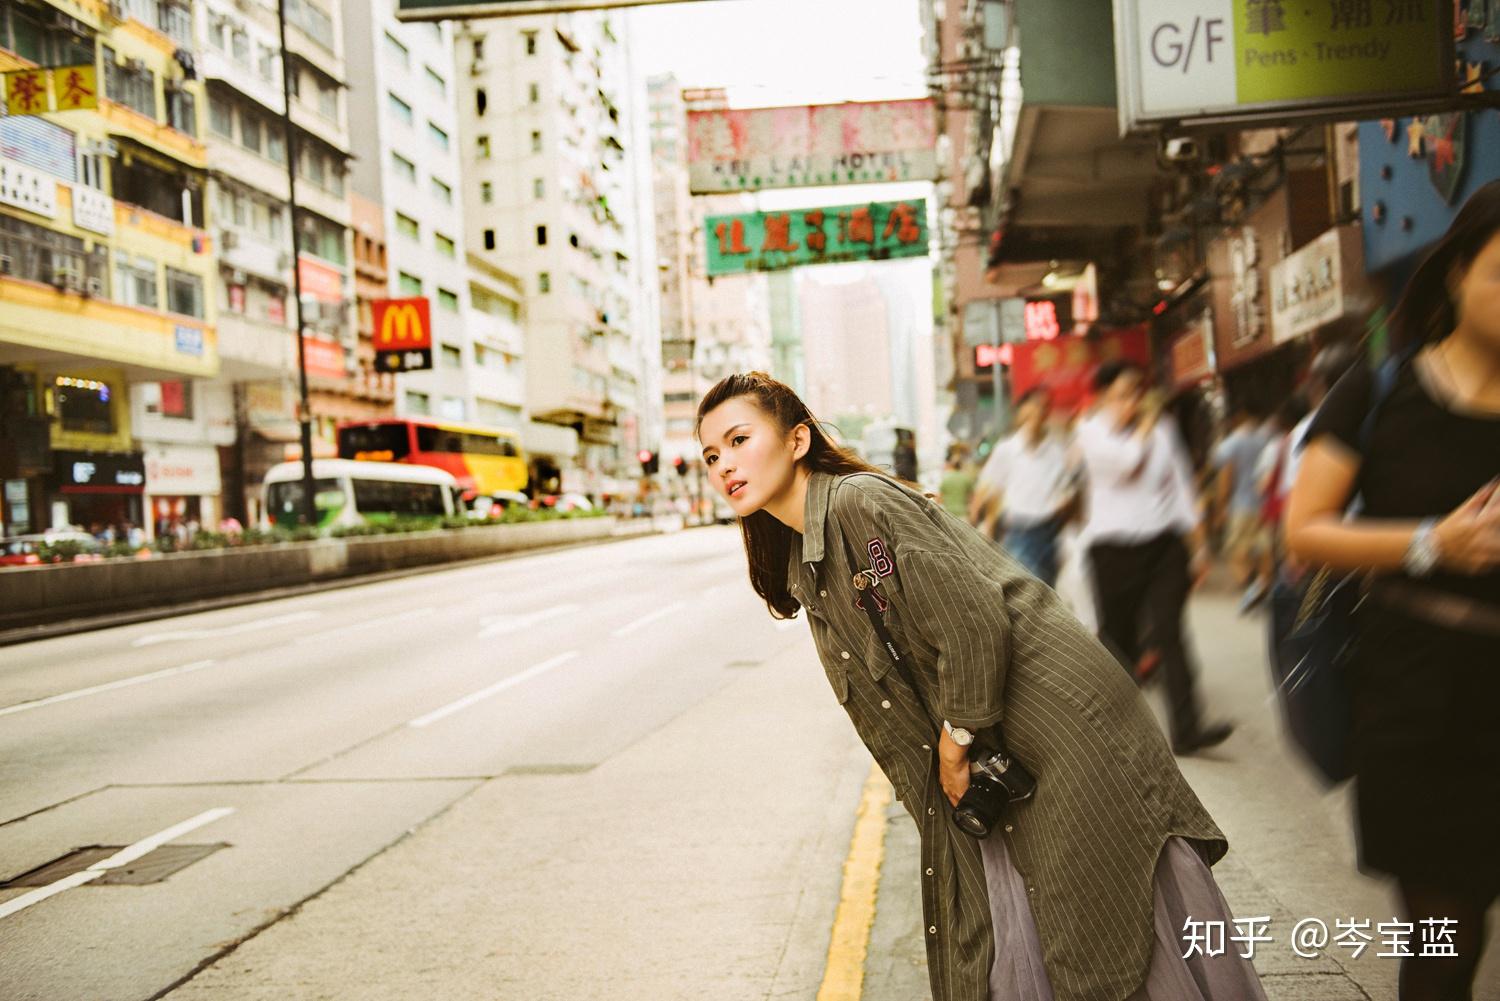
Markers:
<point>993,782</point>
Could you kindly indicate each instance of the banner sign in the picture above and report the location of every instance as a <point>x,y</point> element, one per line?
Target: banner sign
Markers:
<point>1311,286</point>
<point>814,145</point>
<point>772,241</point>
<point>1193,61</point>
<point>403,334</point>
<point>459,10</point>
<point>1065,367</point>
<point>62,88</point>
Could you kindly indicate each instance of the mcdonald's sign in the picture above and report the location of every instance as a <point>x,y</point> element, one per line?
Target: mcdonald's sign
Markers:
<point>403,334</point>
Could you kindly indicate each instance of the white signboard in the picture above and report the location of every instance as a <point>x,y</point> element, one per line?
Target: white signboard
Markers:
<point>182,470</point>
<point>1307,289</point>
<point>28,189</point>
<point>93,210</point>
<point>748,149</point>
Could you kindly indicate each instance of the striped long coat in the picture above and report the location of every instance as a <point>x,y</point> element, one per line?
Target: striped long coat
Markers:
<point>986,642</point>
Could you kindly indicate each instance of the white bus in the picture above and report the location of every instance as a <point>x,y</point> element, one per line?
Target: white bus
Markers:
<point>348,492</point>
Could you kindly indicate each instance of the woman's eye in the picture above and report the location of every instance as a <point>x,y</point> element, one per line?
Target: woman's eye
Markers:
<point>709,461</point>
<point>738,438</point>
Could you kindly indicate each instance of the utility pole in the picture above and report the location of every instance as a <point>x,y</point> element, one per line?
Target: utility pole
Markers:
<point>304,407</point>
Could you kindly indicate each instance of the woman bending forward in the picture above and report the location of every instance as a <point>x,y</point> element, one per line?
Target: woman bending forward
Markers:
<point>1085,891</point>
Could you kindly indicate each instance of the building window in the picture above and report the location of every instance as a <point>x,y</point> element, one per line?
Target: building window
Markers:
<point>482,147</point>
<point>436,82</point>
<point>220,117</point>
<point>538,189</point>
<point>397,52</point>
<point>438,136</point>
<point>530,37</point>
<point>536,142</point>
<point>448,300</point>
<point>544,283</point>
<point>407,226</point>
<point>418,403</point>
<point>534,93</point>
<point>409,284</point>
<point>445,246</point>
<point>541,236</point>
<point>442,192</point>
<point>489,239</point>
<point>481,101</point>
<point>452,357</point>
<point>486,192</point>
<point>454,409</point>
<point>84,405</point>
<point>182,111</point>
<point>478,48</point>
<point>130,83</point>
<point>405,169</point>
<point>184,293</point>
<point>135,281</point>
<point>168,399</point>
<point>276,144</point>
<point>400,109</point>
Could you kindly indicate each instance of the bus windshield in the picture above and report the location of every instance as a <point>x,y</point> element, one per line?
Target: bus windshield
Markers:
<point>284,501</point>
<point>378,442</point>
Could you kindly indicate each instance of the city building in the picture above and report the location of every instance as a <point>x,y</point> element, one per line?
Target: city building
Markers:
<point>547,106</point>
<point>108,311</point>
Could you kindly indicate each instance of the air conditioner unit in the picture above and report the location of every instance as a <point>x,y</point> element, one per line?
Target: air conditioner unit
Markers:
<point>62,278</point>
<point>94,286</point>
<point>228,239</point>
<point>7,264</point>
<point>135,65</point>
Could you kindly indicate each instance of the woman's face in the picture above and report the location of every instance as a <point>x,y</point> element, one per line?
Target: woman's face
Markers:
<point>749,461</point>
<point>1478,295</point>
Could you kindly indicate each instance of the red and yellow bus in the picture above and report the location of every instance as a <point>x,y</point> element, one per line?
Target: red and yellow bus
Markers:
<point>485,461</point>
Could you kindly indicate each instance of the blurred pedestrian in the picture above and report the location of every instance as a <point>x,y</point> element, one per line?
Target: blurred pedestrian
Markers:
<point>1028,482</point>
<point>1328,366</point>
<point>1420,447</point>
<point>929,636</point>
<point>956,488</point>
<point>1246,541</point>
<point>1142,521</point>
<point>1270,479</point>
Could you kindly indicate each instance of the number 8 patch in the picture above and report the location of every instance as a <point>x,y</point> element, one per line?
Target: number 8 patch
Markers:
<point>880,560</point>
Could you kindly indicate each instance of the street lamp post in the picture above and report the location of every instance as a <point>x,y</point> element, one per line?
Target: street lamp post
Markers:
<point>304,407</point>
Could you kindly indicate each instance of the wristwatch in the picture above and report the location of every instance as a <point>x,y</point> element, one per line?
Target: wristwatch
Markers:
<point>961,737</point>
<point>1423,553</point>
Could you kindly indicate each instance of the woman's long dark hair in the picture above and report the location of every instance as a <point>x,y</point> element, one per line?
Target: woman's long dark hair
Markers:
<point>768,542</point>
<point>1426,311</point>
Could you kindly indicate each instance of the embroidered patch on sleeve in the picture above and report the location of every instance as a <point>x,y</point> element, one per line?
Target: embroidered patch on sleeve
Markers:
<point>880,559</point>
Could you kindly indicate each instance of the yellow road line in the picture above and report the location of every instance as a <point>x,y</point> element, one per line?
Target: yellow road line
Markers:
<point>843,977</point>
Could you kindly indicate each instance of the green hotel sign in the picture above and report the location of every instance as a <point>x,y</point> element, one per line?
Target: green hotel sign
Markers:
<point>773,241</point>
<point>1243,60</point>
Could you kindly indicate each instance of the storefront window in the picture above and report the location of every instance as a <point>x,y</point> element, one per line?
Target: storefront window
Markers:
<point>83,405</point>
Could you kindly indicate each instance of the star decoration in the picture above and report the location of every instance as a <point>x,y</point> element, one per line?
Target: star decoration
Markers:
<point>1473,78</point>
<point>1416,148</point>
<point>1442,153</point>
<point>1388,126</point>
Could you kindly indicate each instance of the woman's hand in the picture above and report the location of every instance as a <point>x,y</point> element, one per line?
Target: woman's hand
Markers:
<point>953,768</point>
<point>1469,538</point>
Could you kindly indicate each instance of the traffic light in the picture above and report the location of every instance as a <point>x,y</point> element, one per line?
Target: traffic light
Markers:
<point>680,464</point>
<point>650,461</point>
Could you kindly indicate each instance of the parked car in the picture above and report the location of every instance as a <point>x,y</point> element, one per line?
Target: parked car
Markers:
<point>493,505</point>
<point>25,550</point>
<point>564,502</point>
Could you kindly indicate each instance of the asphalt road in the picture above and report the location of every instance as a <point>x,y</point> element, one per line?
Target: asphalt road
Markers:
<point>309,735</point>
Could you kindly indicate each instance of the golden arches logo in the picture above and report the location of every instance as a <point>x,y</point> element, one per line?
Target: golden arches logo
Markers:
<point>402,325</point>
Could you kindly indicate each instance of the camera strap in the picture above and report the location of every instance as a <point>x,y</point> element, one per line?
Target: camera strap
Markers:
<point>865,582</point>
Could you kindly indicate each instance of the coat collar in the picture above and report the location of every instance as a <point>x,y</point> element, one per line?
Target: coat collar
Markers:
<point>815,515</point>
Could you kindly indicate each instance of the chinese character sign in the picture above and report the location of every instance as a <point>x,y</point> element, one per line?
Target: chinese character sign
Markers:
<point>64,88</point>
<point>772,241</point>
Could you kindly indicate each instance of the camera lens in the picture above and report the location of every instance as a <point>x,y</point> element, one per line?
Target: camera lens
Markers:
<point>971,823</point>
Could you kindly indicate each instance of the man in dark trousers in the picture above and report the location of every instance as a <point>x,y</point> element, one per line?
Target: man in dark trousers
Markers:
<point>1142,519</point>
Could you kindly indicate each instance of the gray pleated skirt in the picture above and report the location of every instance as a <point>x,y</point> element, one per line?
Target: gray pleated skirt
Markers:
<point>1184,888</point>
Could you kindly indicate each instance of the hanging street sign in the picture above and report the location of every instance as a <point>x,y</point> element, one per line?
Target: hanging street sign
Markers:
<point>60,88</point>
<point>773,241</point>
<point>862,142</point>
<point>460,10</point>
<point>1239,61</point>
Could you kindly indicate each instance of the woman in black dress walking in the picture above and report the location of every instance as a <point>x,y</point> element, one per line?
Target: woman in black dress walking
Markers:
<point>1425,673</point>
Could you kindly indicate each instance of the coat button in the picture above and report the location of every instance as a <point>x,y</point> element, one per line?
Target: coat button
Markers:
<point>929,872</point>
<point>1031,890</point>
<point>926,747</point>
<point>1009,828</point>
<point>885,703</point>
<point>822,594</point>
<point>932,929</point>
<point>844,654</point>
<point>930,811</point>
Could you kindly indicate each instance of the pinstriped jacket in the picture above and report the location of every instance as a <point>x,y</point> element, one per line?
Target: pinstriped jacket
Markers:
<point>986,642</point>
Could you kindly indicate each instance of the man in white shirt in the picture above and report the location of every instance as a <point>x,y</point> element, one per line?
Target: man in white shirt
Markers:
<point>1142,514</point>
<point>1029,479</point>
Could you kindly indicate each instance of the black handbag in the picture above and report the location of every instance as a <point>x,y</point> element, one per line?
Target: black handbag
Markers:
<point>1312,629</point>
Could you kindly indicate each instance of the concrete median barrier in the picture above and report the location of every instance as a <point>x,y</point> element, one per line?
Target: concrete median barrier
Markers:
<point>33,596</point>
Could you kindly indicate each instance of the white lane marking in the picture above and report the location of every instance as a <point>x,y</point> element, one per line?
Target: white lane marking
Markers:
<point>646,620</point>
<point>235,630</point>
<point>495,625</point>
<point>499,686</point>
<point>122,857</point>
<point>196,665</point>
<point>366,625</point>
